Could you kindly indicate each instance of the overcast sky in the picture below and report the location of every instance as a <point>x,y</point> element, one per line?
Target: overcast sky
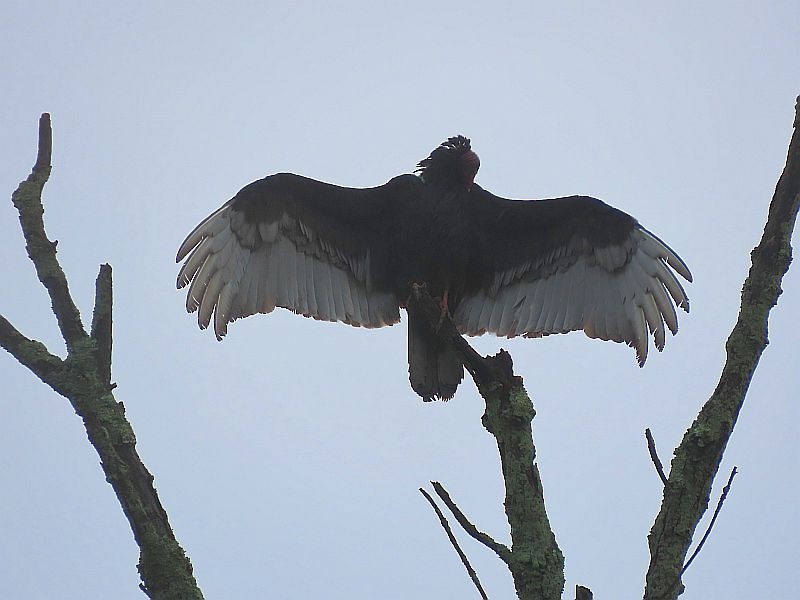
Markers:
<point>289,456</point>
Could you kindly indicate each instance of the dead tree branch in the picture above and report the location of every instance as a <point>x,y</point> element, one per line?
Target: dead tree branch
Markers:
<point>651,447</point>
<point>535,560</point>
<point>484,538</point>
<point>28,201</point>
<point>446,526</point>
<point>721,500</point>
<point>84,378</point>
<point>697,458</point>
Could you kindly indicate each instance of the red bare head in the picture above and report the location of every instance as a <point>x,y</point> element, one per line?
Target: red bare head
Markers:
<point>452,163</point>
<point>470,163</point>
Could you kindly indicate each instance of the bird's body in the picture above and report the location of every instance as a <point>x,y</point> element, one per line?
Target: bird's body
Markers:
<point>507,266</point>
<point>439,249</point>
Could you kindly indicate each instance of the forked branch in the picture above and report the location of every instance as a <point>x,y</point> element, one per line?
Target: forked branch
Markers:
<point>84,378</point>
<point>484,538</point>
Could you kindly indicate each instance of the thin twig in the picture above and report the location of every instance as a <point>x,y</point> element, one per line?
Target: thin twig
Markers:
<point>472,574</point>
<point>484,538</point>
<point>651,446</point>
<point>722,497</point>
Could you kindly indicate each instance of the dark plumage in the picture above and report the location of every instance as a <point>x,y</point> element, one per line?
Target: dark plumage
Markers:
<point>511,267</point>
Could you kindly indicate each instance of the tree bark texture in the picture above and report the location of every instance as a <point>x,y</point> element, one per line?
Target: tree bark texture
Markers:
<point>536,562</point>
<point>84,378</point>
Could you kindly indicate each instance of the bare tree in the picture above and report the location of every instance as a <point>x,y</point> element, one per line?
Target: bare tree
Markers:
<point>533,558</point>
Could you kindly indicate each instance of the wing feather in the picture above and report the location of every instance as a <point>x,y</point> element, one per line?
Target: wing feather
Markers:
<point>266,281</point>
<point>209,298</point>
<point>536,307</point>
<point>311,297</point>
<point>639,340</point>
<point>547,305</point>
<point>578,289</point>
<point>199,283</point>
<point>302,306</point>
<point>209,227</point>
<point>561,294</point>
<point>320,291</point>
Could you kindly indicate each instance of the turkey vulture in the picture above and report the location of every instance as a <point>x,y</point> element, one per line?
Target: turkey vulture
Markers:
<point>510,267</point>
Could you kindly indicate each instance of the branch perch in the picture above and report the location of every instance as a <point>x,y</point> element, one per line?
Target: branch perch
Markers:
<point>697,458</point>
<point>84,379</point>
<point>535,560</point>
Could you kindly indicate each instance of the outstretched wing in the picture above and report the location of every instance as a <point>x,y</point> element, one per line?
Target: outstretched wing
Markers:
<point>567,264</point>
<point>317,249</point>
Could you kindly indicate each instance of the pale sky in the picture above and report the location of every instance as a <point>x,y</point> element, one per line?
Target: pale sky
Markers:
<point>289,456</point>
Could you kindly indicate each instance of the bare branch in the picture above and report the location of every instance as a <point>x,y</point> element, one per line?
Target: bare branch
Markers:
<point>651,446</point>
<point>102,321</point>
<point>446,526</point>
<point>34,355</point>
<point>28,200</point>
<point>697,458</point>
<point>484,538</point>
<point>83,378</point>
<point>535,560</point>
<point>722,497</point>
<point>45,147</point>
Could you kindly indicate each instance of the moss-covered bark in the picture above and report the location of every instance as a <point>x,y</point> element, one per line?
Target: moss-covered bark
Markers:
<point>699,454</point>
<point>536,562</point>
<point>84,378</point>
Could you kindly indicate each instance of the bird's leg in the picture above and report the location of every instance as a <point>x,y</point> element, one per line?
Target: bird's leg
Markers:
<point>417,288</point>
<point>445,310</point>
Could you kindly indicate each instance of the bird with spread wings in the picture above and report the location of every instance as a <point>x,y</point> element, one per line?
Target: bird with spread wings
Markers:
<point>509,267</point>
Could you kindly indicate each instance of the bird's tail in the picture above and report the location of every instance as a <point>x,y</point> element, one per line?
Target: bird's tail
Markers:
<point>435,369</point>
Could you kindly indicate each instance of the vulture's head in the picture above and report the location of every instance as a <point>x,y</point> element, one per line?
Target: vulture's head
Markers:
<point>452,163</point>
